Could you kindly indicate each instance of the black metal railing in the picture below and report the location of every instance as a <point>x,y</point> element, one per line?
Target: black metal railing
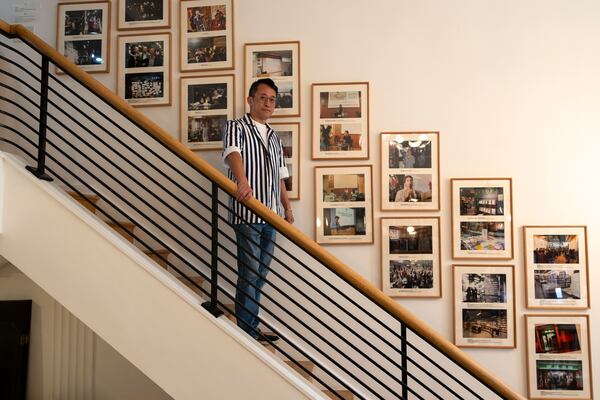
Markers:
<point>77,138</point>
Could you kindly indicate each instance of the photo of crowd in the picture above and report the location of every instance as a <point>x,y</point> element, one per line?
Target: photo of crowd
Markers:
<point>409,154</point>
<point>84,52</point>
<point>344,221</point>
<point>557,284</point>
<point>345,137</point>
<point>143,10</point>
<point>206,128</point>
<point>145,85</point>
<point>555,249</point>
<point>484,288</point>
<point>559,375</point>
<point>144,54</point>
<point>210,96</point>
<point>482,235</point>
<point>481,201</point>
<point>557,338</point>
<point>343,188</point>
<point>410,188</point>
<point>206,49</point>
<point>206,18</point>
<point>409,274</point>
<point>340,104</point>
<point>83,22</point>
<point>478,323</point>
<point>412,239</point>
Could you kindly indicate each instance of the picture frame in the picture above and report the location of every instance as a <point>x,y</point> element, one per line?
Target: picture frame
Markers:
<point>340,121</point>
<point>484,306</point>
<point>410,159</point>
<point>144,64</point>
<point>482,226</point>
<point>83,34</point>
<point>143,14</point>
<point>344,204</point>
<point>206,38</point>
<point>411,257</point>
<point>289,133</point>
<point>559,361</point>
<point>556,267</point>
<point>207,102</point>
<point>279,61</point>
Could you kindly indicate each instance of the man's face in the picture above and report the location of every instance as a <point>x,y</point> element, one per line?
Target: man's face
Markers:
<point>262,105</point>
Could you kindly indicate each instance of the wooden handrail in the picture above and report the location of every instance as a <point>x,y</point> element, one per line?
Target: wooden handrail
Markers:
<point>295,235</point>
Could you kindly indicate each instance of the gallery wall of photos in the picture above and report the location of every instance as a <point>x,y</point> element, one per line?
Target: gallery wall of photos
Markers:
<point>482,227</point>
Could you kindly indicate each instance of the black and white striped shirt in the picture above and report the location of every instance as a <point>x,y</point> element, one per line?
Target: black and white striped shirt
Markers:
<point>264,165</point>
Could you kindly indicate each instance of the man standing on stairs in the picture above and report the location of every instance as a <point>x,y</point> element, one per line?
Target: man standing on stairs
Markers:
<point>254,155</point>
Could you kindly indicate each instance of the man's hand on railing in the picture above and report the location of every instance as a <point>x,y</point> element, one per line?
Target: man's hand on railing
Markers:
<point>243,191</point>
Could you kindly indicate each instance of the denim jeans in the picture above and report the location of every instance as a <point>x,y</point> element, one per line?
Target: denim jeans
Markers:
<point>255,244</point>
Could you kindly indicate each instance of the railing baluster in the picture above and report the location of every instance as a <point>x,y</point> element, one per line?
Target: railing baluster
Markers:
<point>211,305</point>
<point>404,352</point>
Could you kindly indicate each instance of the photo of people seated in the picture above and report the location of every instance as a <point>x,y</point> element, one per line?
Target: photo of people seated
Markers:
<point>144,85</point>
<point>488,324</point>
<point>482,236</point>
<point>83,22</point>
<point>206,49</point>
<point>84,52</point>
<point>144,54</point>
<point>410,154</point>
<point>557,284</point>
<point>207,18</point>
<point>206,128</point>
<point>143,10</point>
<point>287,142</point>
<point>413,239</point>
<point>340,137</point>
<point>345,104</point>
<point>268,64</point>
<point>211,96</point>
<point>343,188</point>
<point>559,374</point>
<point>285,95</point>
<point>409,274</point>
<point>482,201</point>
<point>557,338</point>
<point>555,249</point>
<point>484,288</point>
<point>410,188</point>
<point>344,221</point>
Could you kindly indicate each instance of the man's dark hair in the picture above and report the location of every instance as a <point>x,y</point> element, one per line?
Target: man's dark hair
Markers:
<point>264,81</point>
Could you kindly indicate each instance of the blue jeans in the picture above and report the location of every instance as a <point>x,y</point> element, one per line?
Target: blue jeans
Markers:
<point>255,244</point>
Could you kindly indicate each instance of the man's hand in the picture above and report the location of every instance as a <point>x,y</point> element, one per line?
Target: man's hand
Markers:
<point>243,191</point>
<point>289,216</point>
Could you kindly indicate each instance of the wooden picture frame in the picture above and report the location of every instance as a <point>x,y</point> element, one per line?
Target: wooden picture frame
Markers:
<point>207,102</point>
<point>559,364</point>
<point>289,133</point>
<point>482,223</point>
<point>144,77</point>
<point>83,34</point>
<point>410,159</point>
<point>484,306</point>
<point>344,204</point>
<point>279,61</point>
<point>411,257</point>
<point>556,267</point>
<point>206,38</point>
<point>340,121</point>
<point>143,14</point>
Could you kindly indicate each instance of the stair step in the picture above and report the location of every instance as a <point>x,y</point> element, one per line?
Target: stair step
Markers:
<point>83,200</point>
<point>126,231</point>
<point>344,394</point>
<point>306,364</point>
<point>159,256</point>
<point>197,279</point>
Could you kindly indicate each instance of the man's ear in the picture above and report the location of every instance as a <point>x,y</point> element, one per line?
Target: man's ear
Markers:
<point>249,100</point>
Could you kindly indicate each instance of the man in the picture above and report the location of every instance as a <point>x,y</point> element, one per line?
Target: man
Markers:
<point>254,155</point>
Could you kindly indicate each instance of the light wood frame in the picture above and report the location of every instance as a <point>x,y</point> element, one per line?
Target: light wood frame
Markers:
<point>540,352</point>
<point>575,270</point>
<point>162,23</point>
<point>75,38</point>
<point>340,122</point>
<point>414,257</point>
<point>284,82</point>
<point>465,301</point>
<point>208,38</point>
<point>506,218</point>
<point>324,229</point>
<point>294,161</point>
<point>425,172</point>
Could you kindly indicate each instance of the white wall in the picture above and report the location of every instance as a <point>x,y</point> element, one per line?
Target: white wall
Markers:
<point>511,86</point>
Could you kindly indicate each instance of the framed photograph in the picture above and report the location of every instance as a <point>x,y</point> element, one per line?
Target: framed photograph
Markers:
<point>279,61</point>
<point>558,356</point>
<point>289,133</point>
<point>410,171</point>
<point>484,306</point>
<point>556,267</point>
<point>410,257</point>
<point>207,102</point>
<point>206,35</point>
<point>482,218</point>
<point>143,14</point>
<point>344,204</point>
<point>144,62</point>
<point>340,118</point>
<point>83,34</point>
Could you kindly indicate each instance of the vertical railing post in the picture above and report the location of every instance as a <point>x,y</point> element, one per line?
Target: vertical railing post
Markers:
<point>212,305</point>
<point>404,349</point>
<point>40,170</point>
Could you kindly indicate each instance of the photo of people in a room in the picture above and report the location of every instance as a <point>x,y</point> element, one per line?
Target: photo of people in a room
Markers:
<point>343,188</point>
<point>288,181</point>
<point>144,85</point>
<point>344,221</point>
<point>409,274</point>
<point>285,94</point>
<point>411,239</point>
<point>207,18</point>
<point>210,96</point>
<point>287,142</point>
<point>557,338</point>
<point>206,49</point>
<point>555,249</point>
<point>482,201</point>
<point>84,52</point>
<point>410,188</point>
<point>144,54</point>
<point>484,288</point>
<point>557,284</point>
<point>340,137</point>
<point>478,323</point>
<point>143,10</point>
<point>410,154</point>
<point>559,374</point>
<point>346,104</point>
<point>482,235</point>
<point>268,64</point>
<point>83,22</point>
<point>206,128</point>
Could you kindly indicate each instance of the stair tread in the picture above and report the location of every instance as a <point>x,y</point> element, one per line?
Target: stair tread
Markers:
<point>306,364</point>
<point>91,197</point>
<point>344,394</point>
